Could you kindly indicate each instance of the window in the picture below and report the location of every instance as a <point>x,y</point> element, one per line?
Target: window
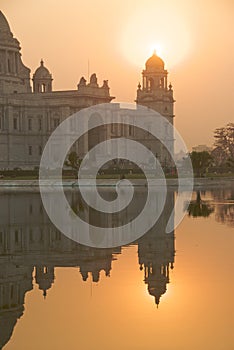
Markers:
<point>56,122</point>
<point>30,124</point>
<point>41,209</point>
<point>30,150</point>
<point>0,122</point>
<point>1,238</point>
<point>122,129</point>
<point>9,66</point>
<point>30,209</point>
<point>31,236</point>
<point>130,130</point>
<point>41,235</point>
<point>39,124</point>
<point>57,235</point>
<point>40,150</point>
<point>16,236</point>
<point>12,291</point>
<point>15,123</point>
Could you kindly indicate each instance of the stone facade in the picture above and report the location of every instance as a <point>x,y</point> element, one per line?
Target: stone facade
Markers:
<point>28,115</point>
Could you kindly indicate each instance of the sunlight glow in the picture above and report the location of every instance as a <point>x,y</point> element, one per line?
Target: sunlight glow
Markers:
<point>157,48</point>
<point>166,32</point>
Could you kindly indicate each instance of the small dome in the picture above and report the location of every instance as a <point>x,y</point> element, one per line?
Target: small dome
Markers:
<point>154,62</point>
<point>4,25</point>
<point>42,72</point>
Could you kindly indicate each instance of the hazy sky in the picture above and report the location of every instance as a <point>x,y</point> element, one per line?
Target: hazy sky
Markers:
<point>195,39</point>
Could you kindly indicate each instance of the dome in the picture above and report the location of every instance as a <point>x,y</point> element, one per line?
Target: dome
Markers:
<point>4,25</point>
<point>154,62</point>
<point>42,79</point>
<point>42,72</point>
<point>6,36</point>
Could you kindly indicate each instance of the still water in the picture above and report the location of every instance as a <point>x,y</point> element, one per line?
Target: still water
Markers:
<point>164,291</point>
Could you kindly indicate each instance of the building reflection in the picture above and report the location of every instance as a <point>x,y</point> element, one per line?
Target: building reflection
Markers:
<point>224,209</point>
<point>156,251</point>
<point>31,247</point>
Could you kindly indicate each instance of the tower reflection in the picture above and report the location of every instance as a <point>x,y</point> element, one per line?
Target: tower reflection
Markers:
<point>156,251</point>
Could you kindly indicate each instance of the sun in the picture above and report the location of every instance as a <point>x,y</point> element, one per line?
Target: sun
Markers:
<point>156,48</point>
<point>165,31</point>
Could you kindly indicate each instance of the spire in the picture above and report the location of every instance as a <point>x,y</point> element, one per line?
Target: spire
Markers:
<point>157,300</point>
<point>44,294</point>
<point>42,63</point>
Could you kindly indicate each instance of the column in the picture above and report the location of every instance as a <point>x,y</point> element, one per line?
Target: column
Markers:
<point>6,63</point>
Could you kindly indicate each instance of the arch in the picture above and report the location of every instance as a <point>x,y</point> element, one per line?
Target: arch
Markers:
<point>162,83</point>
<point>151,84</point>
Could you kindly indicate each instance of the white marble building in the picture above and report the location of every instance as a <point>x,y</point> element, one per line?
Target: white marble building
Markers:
<point>30,109</point>
<point>29,115</point>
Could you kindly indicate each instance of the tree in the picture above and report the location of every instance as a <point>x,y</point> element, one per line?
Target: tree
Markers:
<point>224,143</point>
<point>199,208</point>
<point>73,161</point>
<point>200,162</point>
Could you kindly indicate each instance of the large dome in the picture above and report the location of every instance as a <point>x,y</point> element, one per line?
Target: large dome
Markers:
<point>4,26</point>
<point>42,72</point>
<point>154,62</point>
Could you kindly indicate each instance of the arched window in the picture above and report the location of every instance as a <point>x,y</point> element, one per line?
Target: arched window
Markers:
<point>151,84</point>
<point>162,83</point>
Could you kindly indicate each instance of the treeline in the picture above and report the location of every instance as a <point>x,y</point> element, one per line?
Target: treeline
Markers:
<point>220,160</point>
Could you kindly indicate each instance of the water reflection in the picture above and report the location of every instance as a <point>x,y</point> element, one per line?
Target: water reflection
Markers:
<point>224,212</point>
<point>30,244</point>
<point>220,202</point>
<point>199,207</point>
<point>31,247</point>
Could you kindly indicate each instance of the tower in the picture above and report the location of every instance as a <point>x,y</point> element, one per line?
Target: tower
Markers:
<point>155,92</point>
<point>45,278</point>
<point>42,79</point>
<point>157,95</point>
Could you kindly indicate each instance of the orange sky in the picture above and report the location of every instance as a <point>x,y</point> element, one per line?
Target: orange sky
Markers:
<point>195,39</point>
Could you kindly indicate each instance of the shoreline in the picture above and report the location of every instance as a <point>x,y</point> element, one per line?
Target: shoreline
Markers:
<point>33,185</point>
